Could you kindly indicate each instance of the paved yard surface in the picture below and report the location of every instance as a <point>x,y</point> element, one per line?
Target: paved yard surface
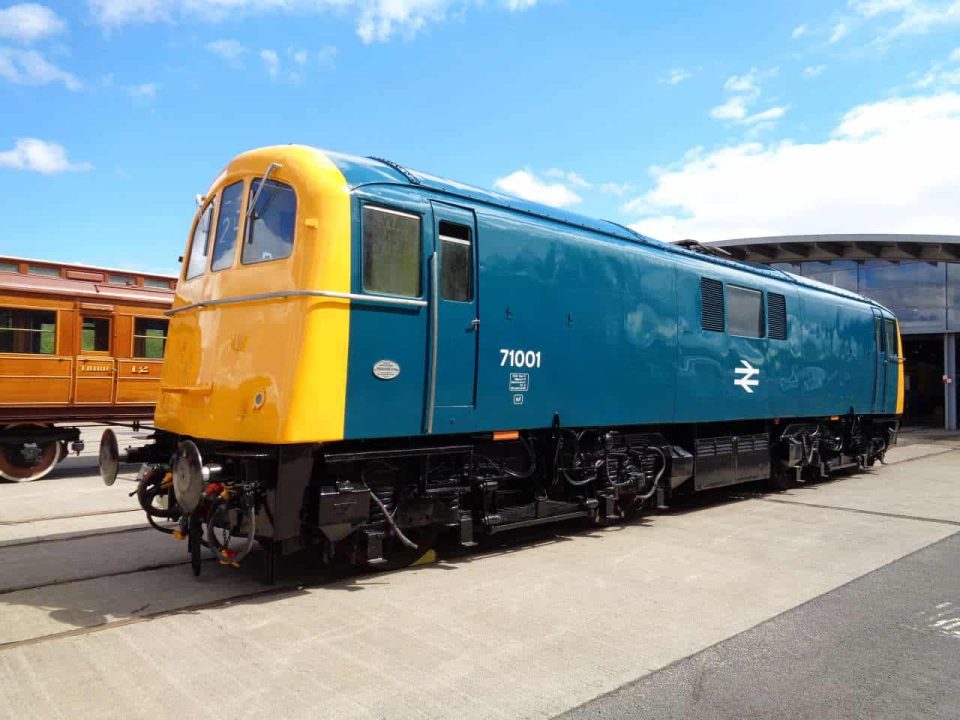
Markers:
<point>838,599</point>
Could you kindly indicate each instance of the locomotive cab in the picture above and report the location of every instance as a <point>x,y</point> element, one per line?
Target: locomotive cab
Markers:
<point>258,332</point>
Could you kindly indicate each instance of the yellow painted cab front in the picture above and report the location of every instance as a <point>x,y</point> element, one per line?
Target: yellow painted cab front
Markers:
<point>258,339</point>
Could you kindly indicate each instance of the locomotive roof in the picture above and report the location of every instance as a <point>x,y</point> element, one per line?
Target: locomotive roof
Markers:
<point>360,171</point>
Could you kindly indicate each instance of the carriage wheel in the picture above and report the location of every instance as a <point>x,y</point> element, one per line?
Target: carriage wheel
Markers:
<point>24,462</point>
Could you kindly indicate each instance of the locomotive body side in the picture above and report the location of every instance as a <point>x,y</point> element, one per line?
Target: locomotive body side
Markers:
<point>613,332</point>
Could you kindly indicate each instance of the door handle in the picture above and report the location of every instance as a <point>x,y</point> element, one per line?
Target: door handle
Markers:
<point>474,324</point>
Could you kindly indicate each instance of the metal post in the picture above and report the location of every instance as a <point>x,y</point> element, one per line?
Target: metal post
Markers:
<point>950,388</point>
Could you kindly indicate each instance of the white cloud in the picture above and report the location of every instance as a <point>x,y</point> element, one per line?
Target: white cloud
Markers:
<point>29,67</point>
<point>912,17</point>
<point>293,64</point>
<point>29,22</point>
<point>271,62</point>
<point>766,116</point>
<point>576,180</point>
<point>813,70</point>
<point>40,156</point>
<point>889,166</point>
<point>799,31</point>
<point>941,75</point>
<point>750,81</point>
<point>736,108</point>
<point>230,51</point>
<point>528,186</point>
<point>676,76</point>
<point>376,20</point>
<point>146,92</point>
<point>733,109</point>
<point>838,32</point>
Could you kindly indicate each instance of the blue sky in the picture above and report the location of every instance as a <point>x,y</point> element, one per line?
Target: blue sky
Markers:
<point>702,120</point>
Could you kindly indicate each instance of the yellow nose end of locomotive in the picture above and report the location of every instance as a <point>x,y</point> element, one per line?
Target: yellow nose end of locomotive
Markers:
<point>272,356</point>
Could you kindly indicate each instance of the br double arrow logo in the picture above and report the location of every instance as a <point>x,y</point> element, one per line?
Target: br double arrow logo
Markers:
<point>749,376</point>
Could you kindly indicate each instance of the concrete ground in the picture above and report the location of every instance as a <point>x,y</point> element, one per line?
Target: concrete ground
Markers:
<point>838,599</point>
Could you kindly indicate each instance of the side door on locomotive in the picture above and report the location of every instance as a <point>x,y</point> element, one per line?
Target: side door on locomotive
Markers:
<point>888,363</point>
<point>454,318</point>
<point>413,344</point>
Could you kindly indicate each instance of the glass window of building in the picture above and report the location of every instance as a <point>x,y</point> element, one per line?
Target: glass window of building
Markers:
<point>391,252</point>
<point>839,273</point>
<point>29,332</point>
<point>269,234</point>
<point>149,338</point>
<point>914,290</point>
<point>744,312</point>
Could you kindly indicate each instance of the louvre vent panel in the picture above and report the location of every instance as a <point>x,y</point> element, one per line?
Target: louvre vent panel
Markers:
<point>777,316</point>
<point>711,304</point>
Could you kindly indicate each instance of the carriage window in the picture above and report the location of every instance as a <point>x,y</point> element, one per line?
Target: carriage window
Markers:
<point>226,238</point>
<point>44,270</point>
<point>9,267</point>
<point>744,312</point>
<point>198,248</point>
<point>156,283</point>
<point>149,338</point>
<point>391,252</point>
<point>32,332</point>
<point>121,279</point>
<point>890,337</point>
<point>95,335</point>
<point>456,262</point>
<point>269,234</point>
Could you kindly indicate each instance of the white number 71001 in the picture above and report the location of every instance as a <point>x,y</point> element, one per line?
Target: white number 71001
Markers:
<point>519,358</point>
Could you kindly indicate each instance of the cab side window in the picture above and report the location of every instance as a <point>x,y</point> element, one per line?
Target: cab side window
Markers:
<point>271,223</point>
<point>890,337</point>
<point>391,252</point>
<point>197,261</point>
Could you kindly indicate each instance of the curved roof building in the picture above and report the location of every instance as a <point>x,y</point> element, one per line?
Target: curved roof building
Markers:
<point>915,276</point>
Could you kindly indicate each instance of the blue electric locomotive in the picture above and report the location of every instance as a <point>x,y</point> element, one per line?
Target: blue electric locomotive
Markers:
<point>361,355</point>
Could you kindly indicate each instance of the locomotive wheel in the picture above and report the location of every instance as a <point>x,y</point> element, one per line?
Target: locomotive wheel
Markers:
<point>29,461</point>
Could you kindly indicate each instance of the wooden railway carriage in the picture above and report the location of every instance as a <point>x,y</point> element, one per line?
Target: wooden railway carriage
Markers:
<point>361,355</point>
<point>77,344</point>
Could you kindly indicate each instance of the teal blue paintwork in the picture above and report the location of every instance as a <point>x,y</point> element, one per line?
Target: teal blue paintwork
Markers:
<point>614,316</point>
